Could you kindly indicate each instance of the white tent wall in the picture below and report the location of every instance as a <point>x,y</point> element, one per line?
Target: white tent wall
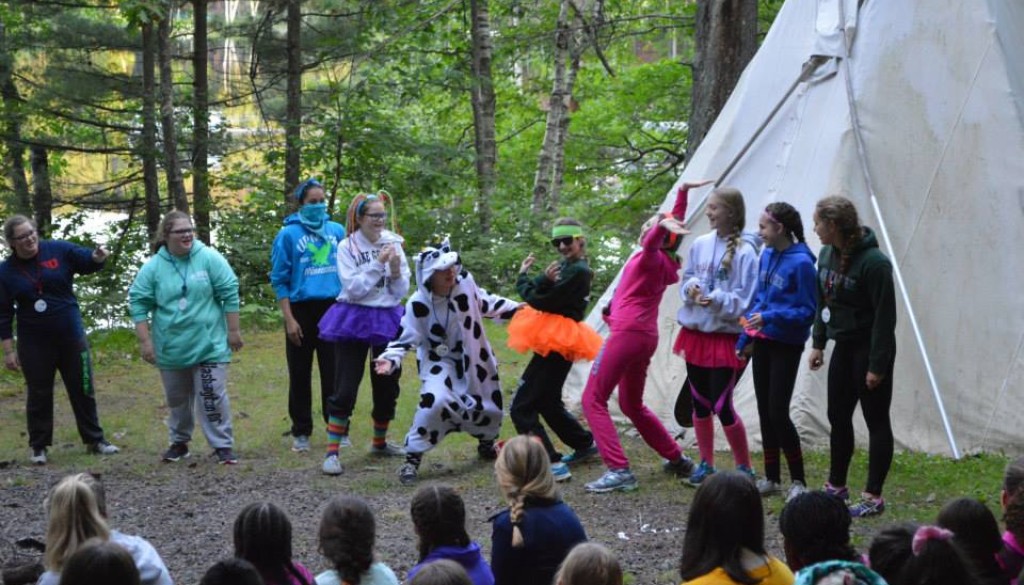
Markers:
<point>938,87</point>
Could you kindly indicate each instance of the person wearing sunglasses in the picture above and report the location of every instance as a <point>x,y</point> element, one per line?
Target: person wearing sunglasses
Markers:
<point>184,303</point>
<point>304,275</point>
<point>551,326</point>
<point>36,291</point>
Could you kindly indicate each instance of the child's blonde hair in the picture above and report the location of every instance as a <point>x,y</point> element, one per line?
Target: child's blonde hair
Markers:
<point>731,199</point>
<point>589,563</point>
<point>523,470</point>
<point>75,517</point>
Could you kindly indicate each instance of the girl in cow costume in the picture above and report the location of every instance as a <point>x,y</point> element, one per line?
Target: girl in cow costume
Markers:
<point>444,322</point>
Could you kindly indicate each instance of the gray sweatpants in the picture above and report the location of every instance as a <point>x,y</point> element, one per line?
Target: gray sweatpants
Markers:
<point>201,390</point>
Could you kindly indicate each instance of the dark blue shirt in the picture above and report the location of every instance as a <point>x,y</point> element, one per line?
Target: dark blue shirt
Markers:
<point>550,529</point>
<point>49,276</point>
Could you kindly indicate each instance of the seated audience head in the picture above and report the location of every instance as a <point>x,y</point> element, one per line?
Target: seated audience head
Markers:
<point>975,531</point>
<point>74,517</point>
<point>815,527</point>
<point>1013,480</point>
<point>726,518</point>
<point>589,563</point>
<point>97,561</point>
<point>234,571</point>
<point>263,536</point>
<point>441,572</point>
<point>523,469</point>
<point>439,517</point>
<point>348,531</point>
<point>908,554</point>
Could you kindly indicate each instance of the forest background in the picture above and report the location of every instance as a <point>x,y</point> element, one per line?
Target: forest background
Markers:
<point>485,119</point>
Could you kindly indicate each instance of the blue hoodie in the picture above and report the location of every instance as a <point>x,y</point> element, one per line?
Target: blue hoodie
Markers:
<point>786,284</point>
<point>301,268</point>
<point>468,556</point>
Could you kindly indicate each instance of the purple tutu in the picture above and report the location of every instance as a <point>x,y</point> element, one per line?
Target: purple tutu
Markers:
<point>372,325</point>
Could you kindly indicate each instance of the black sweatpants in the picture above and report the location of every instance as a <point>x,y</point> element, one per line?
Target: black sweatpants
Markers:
<point>350,360</point>
<point>775,365</point>
<point>300,366</point>
<point>540,395</point>
<point>41,358</point>
<point>846,387</point>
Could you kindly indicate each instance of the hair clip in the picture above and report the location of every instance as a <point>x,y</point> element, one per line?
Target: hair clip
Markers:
<point>926,533</point>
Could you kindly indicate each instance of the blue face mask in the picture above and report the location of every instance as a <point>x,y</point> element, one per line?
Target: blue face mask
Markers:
<point>313,213</point>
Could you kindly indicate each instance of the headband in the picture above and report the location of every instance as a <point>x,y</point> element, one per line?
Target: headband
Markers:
<point>304,186</point>
<point>771,217</point>
<point>926,533</point>
<point>563,231</point>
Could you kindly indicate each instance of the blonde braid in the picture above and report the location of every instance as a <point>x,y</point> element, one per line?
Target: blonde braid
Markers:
<point>515,513</point>
<point>732,199</point>
<point>523,470</point>
<point>730,251</point>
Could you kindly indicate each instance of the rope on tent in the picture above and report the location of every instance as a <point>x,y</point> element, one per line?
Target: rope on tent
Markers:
<point>863,160</point>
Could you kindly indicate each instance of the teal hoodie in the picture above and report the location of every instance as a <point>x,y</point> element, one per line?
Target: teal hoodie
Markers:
<point>197,333</point>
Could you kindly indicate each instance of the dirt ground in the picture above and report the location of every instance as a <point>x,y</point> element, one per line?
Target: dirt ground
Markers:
<point>186,509</point>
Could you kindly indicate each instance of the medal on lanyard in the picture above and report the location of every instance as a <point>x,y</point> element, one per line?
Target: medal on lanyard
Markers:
<point>830,283</point>
<point>826,315</point>
<point>442,350</point>
<point>40,306</point>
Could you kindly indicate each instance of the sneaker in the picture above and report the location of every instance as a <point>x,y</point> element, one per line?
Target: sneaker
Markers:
<point>767,487</point>
<point>613,480</point>
<point>225,456</point>
<point>867,506</point>
<point>795,490</point>
<point>840,492</point>
<point>681,467</point>
<point>38,456</point>
<point>332,465</point>
<point>748,471</point>
<point>581,455</point>
<point>387,450</point>
<point>407,473</point>
<point>487,450</point>
<point>300,444</point>
<point>176,452</point>
<point>102,447</point>
<point>560,471</point>
<point>344,441</point>
<point>701,473</point>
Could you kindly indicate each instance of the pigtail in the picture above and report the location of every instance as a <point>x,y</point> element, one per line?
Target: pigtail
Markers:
<point>516,510</point>
<point>730,251</point>
<point>788,217</point>
<point>732,199</point>
<point>842,213</point>
<point>353,212</point>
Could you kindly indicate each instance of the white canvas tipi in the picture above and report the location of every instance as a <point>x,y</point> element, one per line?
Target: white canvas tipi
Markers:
<point>915,110</point>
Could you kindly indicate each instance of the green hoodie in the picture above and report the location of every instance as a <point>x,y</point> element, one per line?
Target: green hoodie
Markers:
<point>861,303</point>
<point>197,333</point>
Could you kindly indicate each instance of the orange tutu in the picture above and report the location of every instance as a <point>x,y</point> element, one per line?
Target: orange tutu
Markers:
<point>543,333</point>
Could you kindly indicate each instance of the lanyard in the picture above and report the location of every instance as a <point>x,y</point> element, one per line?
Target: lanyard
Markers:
<point>712,269</point>
<point>37,280</point>
<point>184,277</point>
<point>771,271</point>
<point>447,316</point>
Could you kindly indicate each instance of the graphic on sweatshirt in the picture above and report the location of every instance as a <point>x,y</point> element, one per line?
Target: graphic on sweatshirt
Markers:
<point>320,254</point>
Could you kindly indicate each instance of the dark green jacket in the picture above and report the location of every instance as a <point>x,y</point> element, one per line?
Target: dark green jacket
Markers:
<point>568,296</point>
<point>862,302</point>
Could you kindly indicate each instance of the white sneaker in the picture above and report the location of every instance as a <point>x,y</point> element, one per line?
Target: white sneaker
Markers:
<point>767,487</point>
<point>332,465</point>
<point>795,490</point>
<point>38,456</point>
<point>300,444</point>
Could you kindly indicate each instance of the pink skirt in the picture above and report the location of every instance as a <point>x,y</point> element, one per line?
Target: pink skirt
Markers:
<point>372,325</point>
<point>708,350</point>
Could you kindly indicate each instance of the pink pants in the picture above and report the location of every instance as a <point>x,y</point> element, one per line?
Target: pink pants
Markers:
<point>623,361</point>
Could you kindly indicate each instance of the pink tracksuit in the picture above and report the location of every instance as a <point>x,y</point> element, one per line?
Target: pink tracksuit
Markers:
<point>627,352</point>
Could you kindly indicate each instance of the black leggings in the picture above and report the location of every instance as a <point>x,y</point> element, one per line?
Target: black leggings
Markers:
<point>712,385</point>
<point>350,363</point>
<point>300,366</point>
<point>775,366</point>
<point>846,386</point>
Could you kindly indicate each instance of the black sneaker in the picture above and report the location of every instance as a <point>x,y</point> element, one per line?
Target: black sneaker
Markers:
<point>407,473</point>
<point>487,450</point>
<point>176,452</point>
<point>225,456</point>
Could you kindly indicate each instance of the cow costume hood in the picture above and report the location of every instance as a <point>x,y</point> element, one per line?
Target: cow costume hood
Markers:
<point>434,259</point>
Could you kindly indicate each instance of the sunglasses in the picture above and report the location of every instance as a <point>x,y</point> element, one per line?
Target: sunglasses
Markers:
<point>559,242</point>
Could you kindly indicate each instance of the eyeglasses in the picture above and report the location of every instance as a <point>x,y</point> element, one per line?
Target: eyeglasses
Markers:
<point>184,232</point>
<point>559,242</point>
<point>376,216</point>
<point>24,236</point>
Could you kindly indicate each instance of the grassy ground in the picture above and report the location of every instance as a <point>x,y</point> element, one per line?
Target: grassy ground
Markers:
<point>132,412</point>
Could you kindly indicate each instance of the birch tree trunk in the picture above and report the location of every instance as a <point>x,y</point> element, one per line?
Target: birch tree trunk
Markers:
<point>483,111</point>
<point>293,109</point>
<point>150,170</point>
<point>726,40</point>
<point>42,192</point>
<point>172,167</point>
<point>201,123</point>
<point>556,111</point>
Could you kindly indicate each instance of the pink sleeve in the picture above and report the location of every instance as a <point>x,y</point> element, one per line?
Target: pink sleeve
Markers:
<point>682,199</point>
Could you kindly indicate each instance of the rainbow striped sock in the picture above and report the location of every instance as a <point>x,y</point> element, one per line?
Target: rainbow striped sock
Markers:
<point>336,427</point>
<point>380,433</point>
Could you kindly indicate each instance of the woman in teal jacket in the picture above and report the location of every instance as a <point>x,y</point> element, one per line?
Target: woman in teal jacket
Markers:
<point>184,303</point>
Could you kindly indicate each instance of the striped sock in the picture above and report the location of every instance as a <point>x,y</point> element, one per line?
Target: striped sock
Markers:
<point>380,433</point>
<point>336,427</point>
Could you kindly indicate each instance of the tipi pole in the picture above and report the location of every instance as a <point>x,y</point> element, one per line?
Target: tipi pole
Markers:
<point>862,157</point>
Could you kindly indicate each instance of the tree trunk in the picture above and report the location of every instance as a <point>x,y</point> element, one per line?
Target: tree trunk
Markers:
<point>201,124</point>
<point>175,184</point>
<point>150,171</point>
<point>726,40</point>
<point>556,111</point>
<point>293,108</point>
<point>42,193</point>
<point>483,112</point>
<point>14,157</point>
